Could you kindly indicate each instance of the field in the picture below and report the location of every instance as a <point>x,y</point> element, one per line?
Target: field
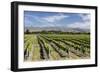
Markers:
<point>38,47</point>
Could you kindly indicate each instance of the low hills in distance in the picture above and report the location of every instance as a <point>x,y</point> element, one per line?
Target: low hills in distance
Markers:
<point>56,29</point>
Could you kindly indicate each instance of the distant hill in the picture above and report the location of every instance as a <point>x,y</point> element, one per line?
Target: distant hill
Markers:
<point>62,29</point>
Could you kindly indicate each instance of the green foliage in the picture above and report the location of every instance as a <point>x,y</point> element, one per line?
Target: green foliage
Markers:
<point>57,44</point>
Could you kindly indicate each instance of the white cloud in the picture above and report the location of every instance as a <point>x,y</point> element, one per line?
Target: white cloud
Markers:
<point>84,25</point>
<point>85,17</point>
<point>54,18</point>
<point>50,20</point>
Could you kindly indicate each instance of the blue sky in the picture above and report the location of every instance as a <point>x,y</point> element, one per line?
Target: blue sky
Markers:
<point>56,19</point>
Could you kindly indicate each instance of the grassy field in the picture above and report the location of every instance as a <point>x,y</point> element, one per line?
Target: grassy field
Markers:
<point>38,47</point>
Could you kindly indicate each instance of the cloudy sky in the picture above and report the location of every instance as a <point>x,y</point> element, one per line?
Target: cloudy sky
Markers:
<point>55,19</point>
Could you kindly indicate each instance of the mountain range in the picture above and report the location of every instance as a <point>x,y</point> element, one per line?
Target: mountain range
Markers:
<point>62,29</point>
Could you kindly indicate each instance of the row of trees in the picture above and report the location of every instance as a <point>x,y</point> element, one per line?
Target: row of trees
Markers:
<point>52,32</point>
